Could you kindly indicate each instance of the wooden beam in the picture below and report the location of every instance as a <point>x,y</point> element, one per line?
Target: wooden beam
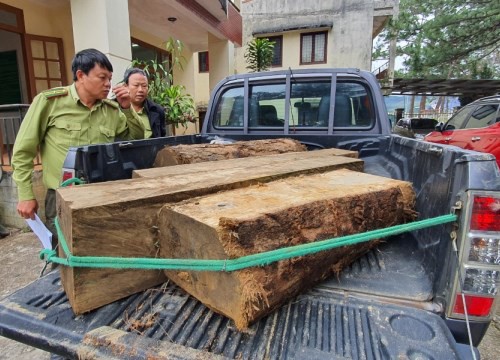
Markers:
<point>271,161</point>
<point>278,214</point>
<point>120,218</point>
<point>194,153</point>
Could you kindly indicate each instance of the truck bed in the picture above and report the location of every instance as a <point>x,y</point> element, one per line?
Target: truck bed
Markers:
<point>382,306</point>
<point>165,322</point>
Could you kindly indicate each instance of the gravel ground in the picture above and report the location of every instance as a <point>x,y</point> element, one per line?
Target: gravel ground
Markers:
<point>21,265</point>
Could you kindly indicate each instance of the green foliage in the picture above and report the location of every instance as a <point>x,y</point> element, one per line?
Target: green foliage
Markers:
<point>447,38</point>
<point>259,54</point>
<point>179,107</point>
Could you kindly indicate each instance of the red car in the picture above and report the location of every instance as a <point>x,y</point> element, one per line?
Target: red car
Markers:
<point>474,127</point>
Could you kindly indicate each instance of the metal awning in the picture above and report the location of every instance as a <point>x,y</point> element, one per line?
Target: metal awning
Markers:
<point>444,87</point>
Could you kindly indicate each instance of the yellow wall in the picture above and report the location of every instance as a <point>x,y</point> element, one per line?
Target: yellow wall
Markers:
<point>201,93</point>
<point>53,21</point>
<point>137,33</point>
<point>291,51</point>
<point>56,21</point>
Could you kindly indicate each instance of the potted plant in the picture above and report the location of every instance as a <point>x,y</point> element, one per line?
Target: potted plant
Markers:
<point>179,106</point>
<point>259,54</point>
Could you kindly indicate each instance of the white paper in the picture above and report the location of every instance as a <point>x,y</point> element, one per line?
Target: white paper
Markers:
<point>41,231</point>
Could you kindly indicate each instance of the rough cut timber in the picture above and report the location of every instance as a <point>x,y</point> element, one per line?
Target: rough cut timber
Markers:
<point>119,218</point>
<point>266,160</point>
<point>278,214</point>
<point>195,153</point>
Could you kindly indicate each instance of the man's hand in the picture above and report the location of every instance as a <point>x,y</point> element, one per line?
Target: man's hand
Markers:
<point>27,208</point>
<point>122,95</point>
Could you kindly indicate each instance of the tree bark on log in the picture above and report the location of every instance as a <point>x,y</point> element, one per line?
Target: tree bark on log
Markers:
<point>278,160</point>
<point>195,153</point>
<point>283,213</point>
<point>120,218</point>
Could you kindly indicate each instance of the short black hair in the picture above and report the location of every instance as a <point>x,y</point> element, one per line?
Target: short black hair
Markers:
<point>85,61</point>
<point>132,71</point>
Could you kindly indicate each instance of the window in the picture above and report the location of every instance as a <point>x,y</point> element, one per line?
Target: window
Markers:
<point>203,63</point>
<point>46,62</point>
<point>145,52</point>
<point>230,108</point>
<point>458,120</point>
<point>353,106</point>
<point>11,18</point>
<point>277,50</point>
<point>313,48</point>
<point>306,106</point>
<point>267,106</point>
<point>310,104</point>
<point>483,116</point>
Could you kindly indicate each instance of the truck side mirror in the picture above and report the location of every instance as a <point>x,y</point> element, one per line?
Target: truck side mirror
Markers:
<point>439,127</point>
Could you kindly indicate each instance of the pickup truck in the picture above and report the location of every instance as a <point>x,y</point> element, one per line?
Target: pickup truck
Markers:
<point>404,299</point>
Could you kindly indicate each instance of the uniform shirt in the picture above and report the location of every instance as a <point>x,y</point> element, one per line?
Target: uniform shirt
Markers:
<point>56,120</point>
<point>145,120</point>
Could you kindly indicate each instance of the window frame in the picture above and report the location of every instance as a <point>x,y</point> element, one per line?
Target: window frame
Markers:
<point>19,14</point>
<point>164,53</point>
<point>467,111</point>
<point>272,38</point>
<point>314,34</point>
<point>31,67</point>
<point>331,128</point>
<point>200,62</point>
<point>472,118</point>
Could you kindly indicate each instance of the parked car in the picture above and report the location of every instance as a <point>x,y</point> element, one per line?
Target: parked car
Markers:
<point>474,127</point>
<point>414,127</point>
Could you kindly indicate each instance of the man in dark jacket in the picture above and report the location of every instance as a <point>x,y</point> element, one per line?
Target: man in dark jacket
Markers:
<point>151,114</point>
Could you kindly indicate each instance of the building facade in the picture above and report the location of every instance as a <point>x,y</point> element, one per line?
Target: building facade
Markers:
<point>38,39</point>
<point>309,33</point>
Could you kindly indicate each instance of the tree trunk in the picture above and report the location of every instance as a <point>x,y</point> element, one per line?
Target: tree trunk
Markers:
<point>188,154</point>
<point>412,106</point>
<point>288,212</point>
<point>423,100</point>
<point>120,218</point>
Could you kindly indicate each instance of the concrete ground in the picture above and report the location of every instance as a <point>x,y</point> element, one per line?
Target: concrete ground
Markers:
<point>20,265</point>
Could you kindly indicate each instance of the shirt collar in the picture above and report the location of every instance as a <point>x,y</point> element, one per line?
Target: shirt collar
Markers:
<point>76,98</point>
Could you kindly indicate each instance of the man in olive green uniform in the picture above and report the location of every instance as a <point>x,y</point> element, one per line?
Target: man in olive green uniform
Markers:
<point>79,114</point>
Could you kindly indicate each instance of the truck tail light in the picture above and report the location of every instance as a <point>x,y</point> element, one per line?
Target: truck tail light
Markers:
<point>67,174</point>
<point>485,214</point>
<point>476,305</point>
<point>479,280</point>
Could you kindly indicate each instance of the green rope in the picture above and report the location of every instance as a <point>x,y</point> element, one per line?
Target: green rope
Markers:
<point>244,262</point>
<point>72,181</point>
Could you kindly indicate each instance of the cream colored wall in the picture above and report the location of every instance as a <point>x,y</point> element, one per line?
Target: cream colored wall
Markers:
<point>201,90</point>
<point>148,38</point>
<point>291,52</point>
<point>104,25</point>
<point>221,59</point>
<point>186,78</point>
<point>49,21</point>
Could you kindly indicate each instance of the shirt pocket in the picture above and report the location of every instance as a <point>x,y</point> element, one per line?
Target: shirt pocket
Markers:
<point>107,134</point>
<point>68,132</point>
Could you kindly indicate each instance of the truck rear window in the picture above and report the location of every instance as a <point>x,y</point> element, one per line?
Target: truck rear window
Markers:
<point>307,107</point>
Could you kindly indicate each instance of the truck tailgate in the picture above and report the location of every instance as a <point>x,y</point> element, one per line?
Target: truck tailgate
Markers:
<point>165,322</point>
